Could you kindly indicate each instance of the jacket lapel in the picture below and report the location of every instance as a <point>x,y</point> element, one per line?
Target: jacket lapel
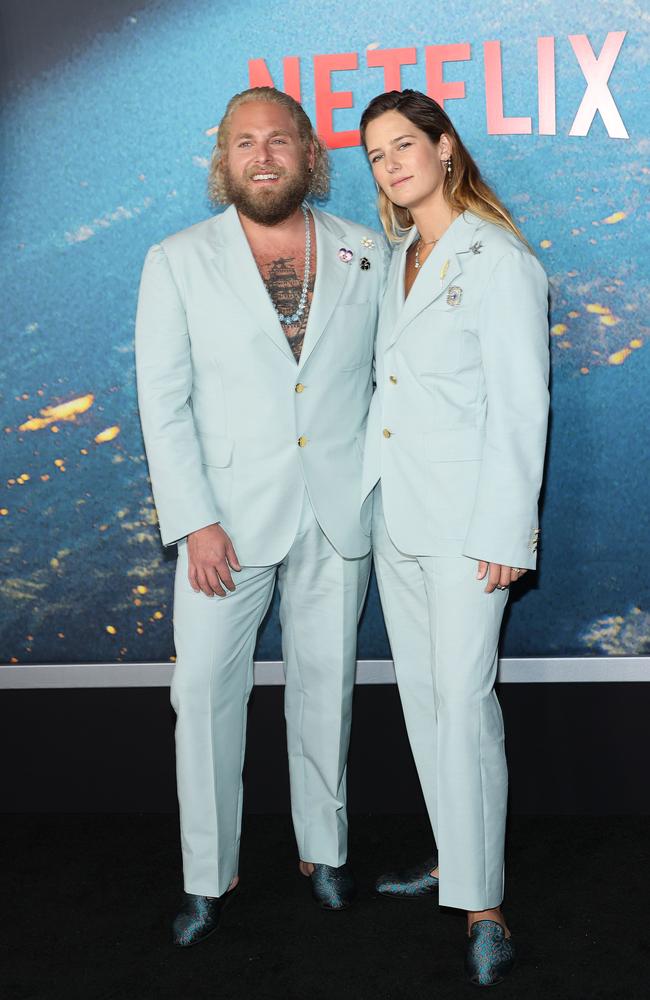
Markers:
<point>331,276</point>
<point>441,269</point>
<point>236,264</point>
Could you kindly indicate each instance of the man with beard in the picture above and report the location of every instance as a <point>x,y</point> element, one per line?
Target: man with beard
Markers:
<point>254,344</point>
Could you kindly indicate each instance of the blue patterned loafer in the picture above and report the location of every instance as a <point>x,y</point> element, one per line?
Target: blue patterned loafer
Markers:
<point>490,954</point>
<point>411,882</point>
<point>332,888</point>
<point>198,919</point>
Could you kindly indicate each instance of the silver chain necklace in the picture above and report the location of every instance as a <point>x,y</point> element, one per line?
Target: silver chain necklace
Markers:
<point>295,316</point>
<point>421,242</point>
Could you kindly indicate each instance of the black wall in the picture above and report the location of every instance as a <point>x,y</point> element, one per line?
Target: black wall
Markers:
<point>572,748</point>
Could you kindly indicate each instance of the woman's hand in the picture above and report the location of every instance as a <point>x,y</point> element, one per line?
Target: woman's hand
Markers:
<point>499,577</point>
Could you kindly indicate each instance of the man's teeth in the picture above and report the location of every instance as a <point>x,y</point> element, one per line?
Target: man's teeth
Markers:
<point>265,177</point>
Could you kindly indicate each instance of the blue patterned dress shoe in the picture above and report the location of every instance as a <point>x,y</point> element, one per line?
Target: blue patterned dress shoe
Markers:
<point>333,888</point>
<point>198,919</point>
<point>411,883</point>
<point>490,954</point>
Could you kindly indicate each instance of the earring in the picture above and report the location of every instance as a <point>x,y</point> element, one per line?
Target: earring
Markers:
<point>449,165</point>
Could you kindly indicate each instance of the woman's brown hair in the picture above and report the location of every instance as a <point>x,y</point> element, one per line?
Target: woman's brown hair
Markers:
<point>464,188</point>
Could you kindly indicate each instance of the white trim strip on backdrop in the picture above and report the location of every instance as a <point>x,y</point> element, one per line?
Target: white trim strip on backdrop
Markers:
<point>511,671</point>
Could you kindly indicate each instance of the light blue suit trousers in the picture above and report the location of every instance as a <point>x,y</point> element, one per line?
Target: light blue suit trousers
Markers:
<point>444,633</point>
<point>321,596</point>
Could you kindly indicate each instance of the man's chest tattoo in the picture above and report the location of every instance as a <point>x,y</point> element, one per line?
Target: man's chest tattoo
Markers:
<point>284,285</point>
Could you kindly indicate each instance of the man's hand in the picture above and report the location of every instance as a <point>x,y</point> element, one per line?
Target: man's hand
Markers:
<point>499,577</point>
<point>211,556</point>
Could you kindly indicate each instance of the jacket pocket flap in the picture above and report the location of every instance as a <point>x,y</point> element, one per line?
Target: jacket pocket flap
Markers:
<point>454,444</point>
<point>216,450</point>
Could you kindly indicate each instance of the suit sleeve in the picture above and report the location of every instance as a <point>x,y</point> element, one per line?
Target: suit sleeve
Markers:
<point>181,491</point>
<point>513,334</point>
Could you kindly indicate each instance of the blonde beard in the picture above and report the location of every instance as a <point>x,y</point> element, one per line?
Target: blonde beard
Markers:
<point>268,208</point>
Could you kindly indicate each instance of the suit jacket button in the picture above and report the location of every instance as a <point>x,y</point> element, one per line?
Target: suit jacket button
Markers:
<point>386,432</point>
<point>393,379</point>
<point>300,387</point>
<point>302,441</point>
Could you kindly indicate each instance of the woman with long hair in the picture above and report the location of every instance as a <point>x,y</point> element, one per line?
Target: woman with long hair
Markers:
<point>454,452</point>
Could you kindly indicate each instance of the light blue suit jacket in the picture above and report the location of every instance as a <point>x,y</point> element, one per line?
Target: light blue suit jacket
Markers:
<point>457,425</point>
<point>217,380</point>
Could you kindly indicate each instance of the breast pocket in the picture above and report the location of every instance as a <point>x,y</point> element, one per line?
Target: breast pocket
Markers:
<point>353,328</point>
<point>435,342</point>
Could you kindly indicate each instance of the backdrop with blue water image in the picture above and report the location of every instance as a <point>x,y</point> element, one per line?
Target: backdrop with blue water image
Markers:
<point>107,126</point>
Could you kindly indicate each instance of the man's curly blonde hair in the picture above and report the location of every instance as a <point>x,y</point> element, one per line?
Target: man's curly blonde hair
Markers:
<point>320,176</point>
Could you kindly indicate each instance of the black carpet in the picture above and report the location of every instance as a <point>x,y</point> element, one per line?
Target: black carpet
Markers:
<point>87,903</point>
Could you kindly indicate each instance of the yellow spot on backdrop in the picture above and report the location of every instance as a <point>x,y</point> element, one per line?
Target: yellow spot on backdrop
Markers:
<point>54,563</point>
<point>619,356</point>
<point>141,589</point>
<point>545,244</point>
<point>64,411</point>
<point>615,217</point>
<point>4,511</point>
<point>111,630</point>
<point>45,478</point>
<point>584,371</point>
<point>564,344</point>
<point>573,314</point>
<point>595,307</point>
<point>609,320</point>
<point>636,343</point>
<point>59,462</point>
<point>558,329</point>
<point>158,615</point>
<point>107,435</point>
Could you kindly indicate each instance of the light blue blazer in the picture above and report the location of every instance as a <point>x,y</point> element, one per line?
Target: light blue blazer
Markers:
<point>457,426</point>
<point>233,427</point>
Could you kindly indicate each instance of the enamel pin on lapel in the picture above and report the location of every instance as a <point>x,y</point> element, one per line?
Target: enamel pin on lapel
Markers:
<point>474,248</point>
<point>345,255</point>
<point>364,264</point>
<point>454,295</point>
<point>443,270</point>
<point>367,243</point>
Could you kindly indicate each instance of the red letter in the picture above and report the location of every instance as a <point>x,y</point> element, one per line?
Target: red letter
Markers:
<point>436,56</point>
<point>327,100</point>
<point>392,60</point>
<point>546,85</point>
<point>597,95</point>
<point>496,123</point>
<point>259,76</point>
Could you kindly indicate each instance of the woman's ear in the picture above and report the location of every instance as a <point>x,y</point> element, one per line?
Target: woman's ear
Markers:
<point>445,147</point>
